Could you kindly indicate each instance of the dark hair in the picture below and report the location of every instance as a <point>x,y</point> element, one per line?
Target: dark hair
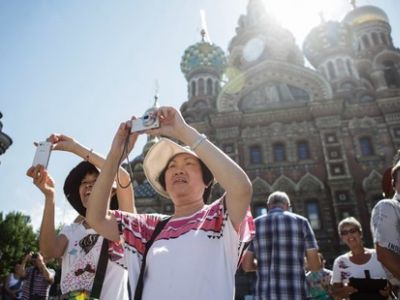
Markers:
<point>208,178</point>
<point>73,181</point>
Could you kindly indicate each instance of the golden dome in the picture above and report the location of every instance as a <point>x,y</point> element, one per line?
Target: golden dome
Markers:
<point>364,14</point>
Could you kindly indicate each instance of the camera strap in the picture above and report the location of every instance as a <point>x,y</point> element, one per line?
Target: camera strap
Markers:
<point>139,286</point>
<point>101,271</point>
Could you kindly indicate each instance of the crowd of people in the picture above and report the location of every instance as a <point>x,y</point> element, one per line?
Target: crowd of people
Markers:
<point>112,252</point>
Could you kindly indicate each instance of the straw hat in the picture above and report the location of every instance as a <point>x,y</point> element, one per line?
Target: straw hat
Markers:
<point>157,159</point>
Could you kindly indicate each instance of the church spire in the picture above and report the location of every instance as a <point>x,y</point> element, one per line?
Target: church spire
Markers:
<point>204,31</point>
<point>156,104</point>
<point>321,17</point>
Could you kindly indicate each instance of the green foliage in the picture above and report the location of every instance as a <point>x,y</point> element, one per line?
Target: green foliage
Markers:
<point>17,238</point>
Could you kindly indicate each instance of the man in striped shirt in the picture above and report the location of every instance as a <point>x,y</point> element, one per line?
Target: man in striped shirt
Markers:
<point>38,278</point>
<point>277,253</point>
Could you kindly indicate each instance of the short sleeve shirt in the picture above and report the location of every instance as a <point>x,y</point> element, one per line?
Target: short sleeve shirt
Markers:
<point>80,262</point>
<point>40,286</point>
<point>193,257</point>
<point>385,227</point>
<point>280,245</point>
<point>344,268</point>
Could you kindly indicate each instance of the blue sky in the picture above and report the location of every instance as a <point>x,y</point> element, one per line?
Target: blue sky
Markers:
<point>82,67</point>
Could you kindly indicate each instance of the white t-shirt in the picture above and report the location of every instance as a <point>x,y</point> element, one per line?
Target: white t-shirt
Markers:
<point>344,268</point>
<point>193,257</point>
<point>79,264</point>
<point>385,227</point>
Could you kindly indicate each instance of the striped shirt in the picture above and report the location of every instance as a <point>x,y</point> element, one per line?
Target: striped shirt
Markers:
<point>40,286</point>
<point>280,244</point>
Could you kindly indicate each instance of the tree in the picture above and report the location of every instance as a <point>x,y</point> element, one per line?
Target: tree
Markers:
<point>17,238</point>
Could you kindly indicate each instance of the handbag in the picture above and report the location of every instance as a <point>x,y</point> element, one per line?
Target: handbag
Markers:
<point>139,286</point>
<point>368,288</point>
<point>98,279</point>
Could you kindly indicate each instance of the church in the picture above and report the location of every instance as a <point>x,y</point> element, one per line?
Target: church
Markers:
<point>323,131</point>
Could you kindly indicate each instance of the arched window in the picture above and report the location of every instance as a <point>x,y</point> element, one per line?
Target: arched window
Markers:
<point>201,87</point>
<point>366,146</point>
<point>340,66</point>
<point>303,150</point>
<point>255,154</point>
<point>216,88</point>
<point>365,40</point>
<point>279,152</point>
<point>193,88</point>
<point>209,87</point>
<point>331,70</point>
<point>313,214</point>
<point>384,39</point>
<point>375,39</point>
<point>349,68</point>
<point>391,75</point>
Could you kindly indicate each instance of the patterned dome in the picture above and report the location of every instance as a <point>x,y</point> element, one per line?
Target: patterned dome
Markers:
<point>365,14</point>
<point>203,55</point>
<point>326,38</point>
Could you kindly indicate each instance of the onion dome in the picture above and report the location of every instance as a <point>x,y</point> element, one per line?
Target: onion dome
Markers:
<point>364,14</point>
<point>203,57</point>
<point>328,38</point>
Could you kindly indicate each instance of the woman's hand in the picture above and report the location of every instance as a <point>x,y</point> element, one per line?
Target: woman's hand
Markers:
<point>120,139</point>
<point>62,142</point>
<point>42,180</point>
<point>340,290</point>
<point>171,123</point>
<point>386,291</point>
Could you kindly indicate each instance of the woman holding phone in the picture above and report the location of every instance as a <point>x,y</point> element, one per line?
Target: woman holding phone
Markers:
<point>79,245</point>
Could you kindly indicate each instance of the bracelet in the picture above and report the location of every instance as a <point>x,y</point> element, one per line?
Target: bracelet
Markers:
<point>88,155</point>
<point>196,144</point>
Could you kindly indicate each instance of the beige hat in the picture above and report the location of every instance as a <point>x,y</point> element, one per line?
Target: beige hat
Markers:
<point>396,167</point>
<point>157,159</point>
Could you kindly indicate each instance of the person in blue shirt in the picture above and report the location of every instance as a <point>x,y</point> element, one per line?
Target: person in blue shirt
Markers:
<point>277,252</point>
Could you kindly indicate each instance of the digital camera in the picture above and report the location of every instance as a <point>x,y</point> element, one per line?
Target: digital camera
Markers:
<point>148,121</point>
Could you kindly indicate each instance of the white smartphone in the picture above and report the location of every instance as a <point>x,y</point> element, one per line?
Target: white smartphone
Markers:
<point>42,154</point>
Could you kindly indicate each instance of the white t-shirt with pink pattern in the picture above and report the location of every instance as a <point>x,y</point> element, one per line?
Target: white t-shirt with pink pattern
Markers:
<point>193,257</point>
<point>79,264</point>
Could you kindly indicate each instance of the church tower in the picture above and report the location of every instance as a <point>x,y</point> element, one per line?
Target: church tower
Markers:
<point>378,60</point>
<point>203,65</point>
<point>329,48</point>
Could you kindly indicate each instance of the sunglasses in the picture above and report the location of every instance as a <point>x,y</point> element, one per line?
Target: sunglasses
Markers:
<point>352,231</point>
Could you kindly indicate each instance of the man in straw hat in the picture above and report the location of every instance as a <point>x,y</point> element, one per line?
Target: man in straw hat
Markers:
<point>196,254</point>
<point>78,244</point>
<point>385,226</point>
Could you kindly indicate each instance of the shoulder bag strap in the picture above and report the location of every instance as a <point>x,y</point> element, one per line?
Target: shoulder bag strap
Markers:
<point>139,286</point>
<point>101,271</point>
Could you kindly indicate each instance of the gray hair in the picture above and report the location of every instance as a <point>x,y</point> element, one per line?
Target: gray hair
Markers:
<point>349,221</point>
<point>279,199</point>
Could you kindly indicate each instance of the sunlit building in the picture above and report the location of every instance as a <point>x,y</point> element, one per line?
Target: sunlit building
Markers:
<point>321,123</point>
